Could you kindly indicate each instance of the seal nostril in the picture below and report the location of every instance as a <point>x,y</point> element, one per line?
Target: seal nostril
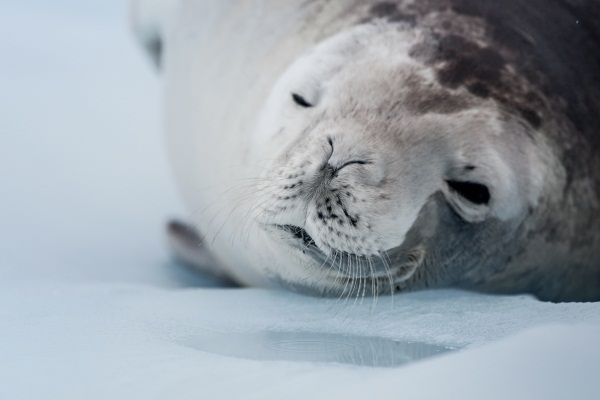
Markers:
<point>335,169</point>
<point>360,162</point>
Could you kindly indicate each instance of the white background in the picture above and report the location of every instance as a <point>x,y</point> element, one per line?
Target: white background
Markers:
<point>83,171</point>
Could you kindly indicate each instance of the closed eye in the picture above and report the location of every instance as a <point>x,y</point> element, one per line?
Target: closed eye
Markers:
<point>301,101</point>
<point>476,193</point>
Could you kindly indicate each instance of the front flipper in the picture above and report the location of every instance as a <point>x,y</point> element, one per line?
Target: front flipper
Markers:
<point>148,20</point>
<point>187,248</point>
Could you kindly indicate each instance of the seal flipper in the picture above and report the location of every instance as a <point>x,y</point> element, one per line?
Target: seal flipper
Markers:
<point>148,19</point>
<point>187,248</point>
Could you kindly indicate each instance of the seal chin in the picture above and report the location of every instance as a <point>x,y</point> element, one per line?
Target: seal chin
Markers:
<point>394,265</point>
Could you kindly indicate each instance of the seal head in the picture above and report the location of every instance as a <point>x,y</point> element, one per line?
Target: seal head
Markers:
<point>380,172</point>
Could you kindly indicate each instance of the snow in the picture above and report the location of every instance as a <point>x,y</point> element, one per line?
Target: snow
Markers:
<point>128,341</point>
<point>91,307</point>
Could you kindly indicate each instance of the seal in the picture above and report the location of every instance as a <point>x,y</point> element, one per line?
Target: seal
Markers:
<point>365,148</point>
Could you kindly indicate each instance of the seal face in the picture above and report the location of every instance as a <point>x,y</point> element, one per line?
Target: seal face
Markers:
<point>358,155</point>
<point>389,146</point>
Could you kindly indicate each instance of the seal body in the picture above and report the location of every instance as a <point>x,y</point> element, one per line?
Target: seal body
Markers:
<point>367,147</point>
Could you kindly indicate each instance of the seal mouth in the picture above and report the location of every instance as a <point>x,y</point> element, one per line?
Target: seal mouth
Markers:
<point>300,234</point>
<point>394,264</point>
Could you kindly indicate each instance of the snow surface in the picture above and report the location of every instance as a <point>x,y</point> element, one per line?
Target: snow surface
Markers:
<point>91,307</point>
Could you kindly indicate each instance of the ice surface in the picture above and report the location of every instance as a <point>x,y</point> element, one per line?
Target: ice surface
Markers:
<point>91,308</point>
<point>119,342</point>
<point>316,347</point>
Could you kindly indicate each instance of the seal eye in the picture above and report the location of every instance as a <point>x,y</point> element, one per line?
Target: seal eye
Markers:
<point>300,100</point>
<point>474,192</point>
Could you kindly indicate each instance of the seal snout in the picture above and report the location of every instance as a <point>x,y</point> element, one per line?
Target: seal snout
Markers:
<point>340,158</point>
<point>330,189</point>
<point>332,171</point>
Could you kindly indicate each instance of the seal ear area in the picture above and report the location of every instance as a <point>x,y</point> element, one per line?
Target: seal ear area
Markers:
<point>476,193</point>
<point>470,199</point>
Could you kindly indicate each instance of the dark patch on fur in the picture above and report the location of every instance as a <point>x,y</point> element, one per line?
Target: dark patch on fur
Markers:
<point>481,70</point>
<point>530,116</point>
<point>556,46</point>
<point>424,98</point>
<point>435,101</point>
<point>410,19</point>
<point>466,62</point>
<point>479,89</point>
<point>424,51</point>
<point>389,10</point>
<point>384,9</point>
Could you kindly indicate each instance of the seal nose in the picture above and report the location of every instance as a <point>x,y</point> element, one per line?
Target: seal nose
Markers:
<point>333,164</point>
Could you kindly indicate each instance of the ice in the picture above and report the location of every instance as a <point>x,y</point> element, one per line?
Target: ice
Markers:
<point>92,308</point>
<point>316,347</point>
<point>112,341</point>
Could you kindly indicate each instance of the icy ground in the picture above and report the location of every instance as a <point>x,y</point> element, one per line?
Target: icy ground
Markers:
<point>91,308</point>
